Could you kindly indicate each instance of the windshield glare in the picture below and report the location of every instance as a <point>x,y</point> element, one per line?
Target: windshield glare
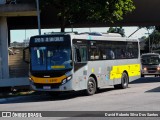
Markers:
<point>51,58</point>
<point>150,60</point>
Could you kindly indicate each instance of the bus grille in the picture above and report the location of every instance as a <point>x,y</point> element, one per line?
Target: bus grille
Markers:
<point>152,69</point>
<point>40,86</point>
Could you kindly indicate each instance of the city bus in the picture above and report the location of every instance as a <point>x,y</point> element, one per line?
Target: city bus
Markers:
<point>73,62</point>
<point>150,64</point>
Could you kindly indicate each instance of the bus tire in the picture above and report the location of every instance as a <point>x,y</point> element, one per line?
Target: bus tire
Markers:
<point>124,81</point>
<point>91,86</point>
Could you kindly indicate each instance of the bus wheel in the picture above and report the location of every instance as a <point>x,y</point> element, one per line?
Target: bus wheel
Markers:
<point>124,81</point>
<point>91,86</point>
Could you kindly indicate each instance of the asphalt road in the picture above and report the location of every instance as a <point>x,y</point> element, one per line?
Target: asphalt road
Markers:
<point>141,95</point>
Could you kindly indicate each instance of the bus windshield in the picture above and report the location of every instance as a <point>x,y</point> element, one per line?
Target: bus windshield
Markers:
<point>150,60</point>
<point>56,57</point>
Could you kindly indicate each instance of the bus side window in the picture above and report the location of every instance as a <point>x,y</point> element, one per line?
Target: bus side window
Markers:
<point>81,54</point>
<point>111,53</point>
<point>102,54</point>
<point>92,55</point>
<point>97,54</point>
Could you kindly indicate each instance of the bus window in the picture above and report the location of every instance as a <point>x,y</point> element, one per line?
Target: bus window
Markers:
<point>81,54</point>
<point>97,54</point>
<point>38,58</point>
<point>132,50</point>
<point>112,56</point>
<point>92,55</point>
<point>102,54</point>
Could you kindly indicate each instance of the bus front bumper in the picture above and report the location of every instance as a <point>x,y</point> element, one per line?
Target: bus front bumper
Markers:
<point>51,87</point>
<point>146,72</point>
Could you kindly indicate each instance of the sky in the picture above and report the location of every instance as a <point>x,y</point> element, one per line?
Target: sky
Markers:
<point>21,35</point>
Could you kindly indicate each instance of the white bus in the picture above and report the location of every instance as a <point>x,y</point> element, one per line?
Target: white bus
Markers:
<point>73,62</point>
<point>150,64</point>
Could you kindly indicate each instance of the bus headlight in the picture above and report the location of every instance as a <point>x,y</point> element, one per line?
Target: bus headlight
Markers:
<point>67,79</point>
<point>145,68</point>
<point>158,68</point>
<point>30,79</point>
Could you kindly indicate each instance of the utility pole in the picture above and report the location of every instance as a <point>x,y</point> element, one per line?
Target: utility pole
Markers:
<point>149,40</point>
<point>38,17</point>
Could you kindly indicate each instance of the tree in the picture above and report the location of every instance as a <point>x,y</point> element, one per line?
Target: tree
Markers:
<point>154,38</point>
<point>69,11</point>
<point>119,30</point>
<point>149,39</point>
<point>157,28</point>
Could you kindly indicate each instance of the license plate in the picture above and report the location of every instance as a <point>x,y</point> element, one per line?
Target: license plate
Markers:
<point>47,87</point>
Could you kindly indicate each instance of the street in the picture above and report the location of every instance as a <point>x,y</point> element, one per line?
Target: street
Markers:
<point>142,95</point>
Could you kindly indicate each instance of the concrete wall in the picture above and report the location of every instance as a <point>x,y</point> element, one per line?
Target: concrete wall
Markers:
<point>18,9</point>
<point>5,80</point>
<point>25,8</point>
<point>21,8</point>
<point>4,48</point>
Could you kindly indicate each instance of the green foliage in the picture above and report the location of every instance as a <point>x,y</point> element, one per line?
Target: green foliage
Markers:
<point>119,30</point>
<point>76,11</point>
<point>157,28</point>
<point>154,38</point>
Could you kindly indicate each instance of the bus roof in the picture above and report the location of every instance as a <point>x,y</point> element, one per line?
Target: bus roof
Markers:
<point>92,36</point>
<point>102,37</point>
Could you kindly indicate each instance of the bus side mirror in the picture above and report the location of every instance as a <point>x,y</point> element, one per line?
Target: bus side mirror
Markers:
<point>26,55</point>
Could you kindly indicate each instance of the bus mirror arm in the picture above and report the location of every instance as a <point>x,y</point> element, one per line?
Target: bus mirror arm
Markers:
<point>24,55</point>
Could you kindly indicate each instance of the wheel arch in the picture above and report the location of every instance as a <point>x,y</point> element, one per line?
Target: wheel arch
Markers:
<point>94,76</point>
<point>124,84</point>
<point>126,73</point>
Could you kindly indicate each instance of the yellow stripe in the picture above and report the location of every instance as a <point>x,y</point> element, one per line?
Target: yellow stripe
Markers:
<point>56,67</point>
<point>132,69</point>
<point>48,80</point>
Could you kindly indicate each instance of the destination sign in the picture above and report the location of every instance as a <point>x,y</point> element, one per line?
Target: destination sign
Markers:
<point>48,39</point>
